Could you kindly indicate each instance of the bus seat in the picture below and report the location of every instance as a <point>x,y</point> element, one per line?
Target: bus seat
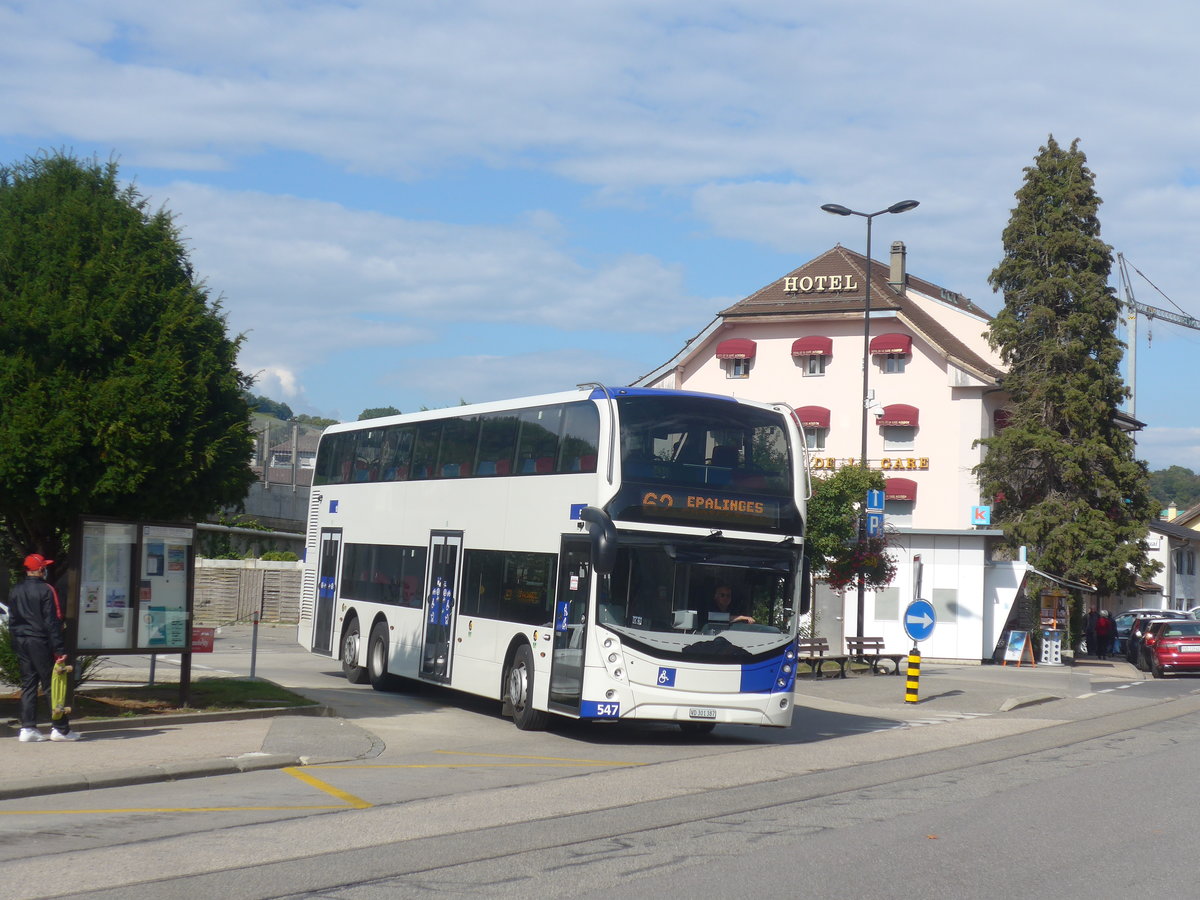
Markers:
<point>724,455</point>
<point>528,466</point>
<point>587,462</point>
<point>543,465</point>
<point>486,467</point>
<point>503,467</point>
<point>451,470</point>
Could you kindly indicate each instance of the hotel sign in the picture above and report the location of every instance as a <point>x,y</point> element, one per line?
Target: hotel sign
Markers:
<point>820,284</point>
<point>917,463</point>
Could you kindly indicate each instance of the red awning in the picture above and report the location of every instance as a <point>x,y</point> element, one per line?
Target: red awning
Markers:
<point>736,348</point>
<point>900,489</point>
<point>812,416</point>
<point>884,344</point>
<point>813,345</point>
<point>899,414</point>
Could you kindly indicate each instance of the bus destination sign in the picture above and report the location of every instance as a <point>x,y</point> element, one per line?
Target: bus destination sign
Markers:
<point>707,508</point>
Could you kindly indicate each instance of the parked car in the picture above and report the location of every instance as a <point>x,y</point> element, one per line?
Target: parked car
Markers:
<point>1171,645</point>
<point>1125,619</point>
<point>1137,631</point>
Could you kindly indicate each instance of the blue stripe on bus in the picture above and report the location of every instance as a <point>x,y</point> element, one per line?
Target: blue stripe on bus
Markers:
<point>769,677</point>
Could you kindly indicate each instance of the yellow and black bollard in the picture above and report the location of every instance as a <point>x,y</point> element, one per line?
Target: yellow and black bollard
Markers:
<point>914,675</point>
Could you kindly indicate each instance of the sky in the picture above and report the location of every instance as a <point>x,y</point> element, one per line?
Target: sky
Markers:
<point>412,204</point>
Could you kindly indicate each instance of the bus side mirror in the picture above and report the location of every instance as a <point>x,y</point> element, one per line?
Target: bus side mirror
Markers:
<point>604,539</point>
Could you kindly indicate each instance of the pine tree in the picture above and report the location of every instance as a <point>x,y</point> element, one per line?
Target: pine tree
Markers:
<point>119,391</point>
<point>1062,474</point>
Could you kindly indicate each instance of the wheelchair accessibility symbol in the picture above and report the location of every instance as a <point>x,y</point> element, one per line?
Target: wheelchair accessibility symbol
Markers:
<point>666,677</point>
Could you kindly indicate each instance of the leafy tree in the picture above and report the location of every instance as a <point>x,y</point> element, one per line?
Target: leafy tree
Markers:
<point>832,544</point>
<point>118,379</point>
<point>269,407</point>
<point>1062,475</point>
<point>377,412</point>
<point>1177,484</point>
<point>314,421</point>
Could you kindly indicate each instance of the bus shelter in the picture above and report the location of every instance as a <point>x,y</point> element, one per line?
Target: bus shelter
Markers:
<point>130,590</point>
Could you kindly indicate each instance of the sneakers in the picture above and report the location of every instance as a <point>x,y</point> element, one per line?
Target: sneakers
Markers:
<point>63,736</point>
<point>30,735</point>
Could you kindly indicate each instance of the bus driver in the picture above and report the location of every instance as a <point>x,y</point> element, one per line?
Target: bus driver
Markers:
<point>724,607</point>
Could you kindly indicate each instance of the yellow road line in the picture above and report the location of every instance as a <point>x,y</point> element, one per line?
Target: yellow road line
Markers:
<point>349,799</point>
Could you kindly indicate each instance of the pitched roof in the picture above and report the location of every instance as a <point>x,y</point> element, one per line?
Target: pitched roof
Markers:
<point>831,289</point>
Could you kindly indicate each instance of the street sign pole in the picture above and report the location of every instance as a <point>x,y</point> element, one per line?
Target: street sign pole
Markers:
<point>919,620</point>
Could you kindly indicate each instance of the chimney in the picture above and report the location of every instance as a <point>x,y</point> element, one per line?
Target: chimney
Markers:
<point>899,274</point>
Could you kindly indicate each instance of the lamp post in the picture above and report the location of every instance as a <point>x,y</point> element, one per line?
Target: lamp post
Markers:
<point>838,210</point>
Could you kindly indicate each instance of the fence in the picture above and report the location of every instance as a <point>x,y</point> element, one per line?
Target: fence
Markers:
<point>230,590</point>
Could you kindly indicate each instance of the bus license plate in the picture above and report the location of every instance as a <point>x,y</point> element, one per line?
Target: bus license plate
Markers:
<point>699,713</point>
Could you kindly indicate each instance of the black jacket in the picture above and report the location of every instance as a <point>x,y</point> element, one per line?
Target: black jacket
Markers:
<point>33,610</point>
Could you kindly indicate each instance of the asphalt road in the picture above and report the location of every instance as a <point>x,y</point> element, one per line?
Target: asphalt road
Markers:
<point>459,802</point>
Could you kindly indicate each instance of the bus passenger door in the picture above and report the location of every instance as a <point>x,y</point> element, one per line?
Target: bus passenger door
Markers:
<point>441,594</point>
<point>327,582</point>
<point>570,623</point>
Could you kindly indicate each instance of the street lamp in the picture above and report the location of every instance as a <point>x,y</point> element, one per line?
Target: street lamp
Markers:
<point>838,210</point>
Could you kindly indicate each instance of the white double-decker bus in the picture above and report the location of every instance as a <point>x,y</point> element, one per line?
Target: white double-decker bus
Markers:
<point>563,554</point>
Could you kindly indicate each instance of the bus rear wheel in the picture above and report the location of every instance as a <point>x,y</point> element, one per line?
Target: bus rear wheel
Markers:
<point>519,691</point>
<point>377,659</point>
<point>351,638</point>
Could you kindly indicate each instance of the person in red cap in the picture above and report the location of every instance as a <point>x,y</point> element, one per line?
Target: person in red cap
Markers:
<point>34,621</point>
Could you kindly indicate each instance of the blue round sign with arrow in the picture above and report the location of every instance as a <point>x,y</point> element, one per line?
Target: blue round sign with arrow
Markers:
<point>919,620</point>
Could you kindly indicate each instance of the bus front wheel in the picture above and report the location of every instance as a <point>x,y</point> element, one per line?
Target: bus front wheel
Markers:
<point>519,691</point>
<point>377,660</point>
<point>351,638</point>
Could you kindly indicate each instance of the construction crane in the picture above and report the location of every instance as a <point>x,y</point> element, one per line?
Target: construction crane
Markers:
<point>1150,312</point>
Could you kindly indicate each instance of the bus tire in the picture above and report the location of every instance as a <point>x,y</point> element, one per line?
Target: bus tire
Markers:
<point>519,692</point>
<point>377,659</point>
<point>351,638</point>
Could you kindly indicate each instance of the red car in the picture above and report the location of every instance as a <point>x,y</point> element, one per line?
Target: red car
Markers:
<point>1172,645</point>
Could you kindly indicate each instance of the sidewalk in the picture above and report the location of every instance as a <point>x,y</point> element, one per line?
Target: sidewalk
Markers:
<point>120,752</point>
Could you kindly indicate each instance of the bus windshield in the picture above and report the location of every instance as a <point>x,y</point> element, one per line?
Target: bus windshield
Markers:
<point>700,598</point>
<point>705,461</point>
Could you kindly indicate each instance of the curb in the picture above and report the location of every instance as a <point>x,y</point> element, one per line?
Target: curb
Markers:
<point>201,768</point>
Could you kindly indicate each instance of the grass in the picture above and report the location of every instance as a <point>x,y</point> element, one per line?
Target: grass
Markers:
<point>207,695</point>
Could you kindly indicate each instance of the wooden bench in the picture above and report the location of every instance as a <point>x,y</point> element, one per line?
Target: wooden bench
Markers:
<point>814,652</point>
<point>870,650</point>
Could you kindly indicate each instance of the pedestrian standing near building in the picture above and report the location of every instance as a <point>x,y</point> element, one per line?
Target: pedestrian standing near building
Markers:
<point>1106,630</point>
<point>35,624</point>
<point>1089,630</point>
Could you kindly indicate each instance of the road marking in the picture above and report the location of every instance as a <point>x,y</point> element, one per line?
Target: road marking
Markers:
<point>349,799</point>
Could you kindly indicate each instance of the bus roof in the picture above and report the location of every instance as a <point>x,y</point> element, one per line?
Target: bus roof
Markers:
<point>594,392</point>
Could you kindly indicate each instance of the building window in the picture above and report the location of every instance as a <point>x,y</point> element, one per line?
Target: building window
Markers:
<point>814,365</point>
<point>887,604</point>
<point>899,512</point>
<point>894,363</point>
<point>899,437</point>
<point>739,368</point>
<point>945,605</point>
<point>816,438</point>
